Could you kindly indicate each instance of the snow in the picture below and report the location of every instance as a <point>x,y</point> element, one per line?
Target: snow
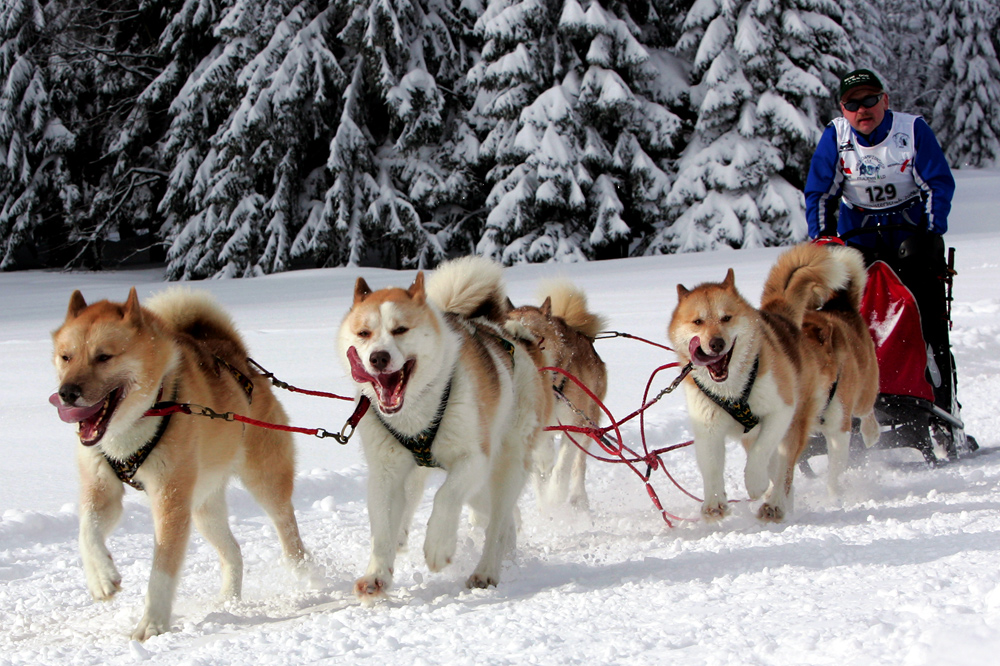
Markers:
<point>901,570</point>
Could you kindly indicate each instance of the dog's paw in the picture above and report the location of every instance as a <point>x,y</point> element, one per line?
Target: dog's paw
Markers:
<point>715,510</point>
<point>481,581</point>
<point>310,572</point>
<point>103,581</point>
<point>769,513</point>
<point>439,553</point>
<point>149,627</point>
<point>371,587</point>
<point>757,482</point>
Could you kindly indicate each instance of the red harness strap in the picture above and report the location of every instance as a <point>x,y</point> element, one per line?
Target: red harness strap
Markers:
<point>615,447</point>
<point>167,408</point>
<point>288,387</point>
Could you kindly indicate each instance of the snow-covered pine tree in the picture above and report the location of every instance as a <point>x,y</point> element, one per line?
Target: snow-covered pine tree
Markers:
<point>864,24</point>
<point>400,158</point>
<point>905,30</point>
<point>764,71</point>
<point>72,70</point>
<point>32,138</point>
<point>624,103</point>
<point>243,136</point>
<point>180,36</point>
<point>335,233</point>
<point>965,80</point>
<point>579,128</point>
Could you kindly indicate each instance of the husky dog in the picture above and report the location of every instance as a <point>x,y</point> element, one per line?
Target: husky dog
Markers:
<point>114,362</point>
<point>850,366</point>
<point>564,330</point>
<point>449,389</point>
<point>756,376</point>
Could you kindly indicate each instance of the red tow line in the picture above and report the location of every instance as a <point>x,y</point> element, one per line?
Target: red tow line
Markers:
<point>167,408</point>
<point>615,447</point>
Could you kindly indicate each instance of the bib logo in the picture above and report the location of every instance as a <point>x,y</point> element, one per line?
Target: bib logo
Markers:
<point>870,168</point>
<point>901,140</point>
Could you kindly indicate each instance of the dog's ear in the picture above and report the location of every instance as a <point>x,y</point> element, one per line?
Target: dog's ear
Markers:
<point>416,290</point>
<point>682,291</point>
<point>361,290</point>
<point>76,305</point>
<point>546,308</point>
<point>510,304</point>
<point>133,312</point>
<point>730,281</point>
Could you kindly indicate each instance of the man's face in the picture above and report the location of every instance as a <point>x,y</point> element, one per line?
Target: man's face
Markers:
<point>864,120</point>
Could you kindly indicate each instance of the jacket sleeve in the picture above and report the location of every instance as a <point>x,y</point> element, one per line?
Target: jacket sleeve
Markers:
<point>933,176</point>
<point>823,184</point>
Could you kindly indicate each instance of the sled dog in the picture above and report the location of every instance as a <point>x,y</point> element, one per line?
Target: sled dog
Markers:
<point>449,388</point>
<point>755,375</point>
<point>850,366</point>
<point>564,330</point>
<point>114,361</point>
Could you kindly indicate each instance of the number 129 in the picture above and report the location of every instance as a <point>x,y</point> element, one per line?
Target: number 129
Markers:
<point>878,193</point>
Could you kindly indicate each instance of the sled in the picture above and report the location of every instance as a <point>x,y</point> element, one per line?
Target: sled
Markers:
<point>917,406</point>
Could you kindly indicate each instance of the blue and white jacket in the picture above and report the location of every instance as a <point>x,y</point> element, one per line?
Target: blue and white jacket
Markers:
<point>889,147</point>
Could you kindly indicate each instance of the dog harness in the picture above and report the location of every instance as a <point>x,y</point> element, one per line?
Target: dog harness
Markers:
<point>506,344</point>
<point>739,409</point>
<point>245,382</point>
<point>420,444</point>
<point>126,469</point>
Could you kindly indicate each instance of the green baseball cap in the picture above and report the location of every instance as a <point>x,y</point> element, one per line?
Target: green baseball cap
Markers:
<point>858,78</point>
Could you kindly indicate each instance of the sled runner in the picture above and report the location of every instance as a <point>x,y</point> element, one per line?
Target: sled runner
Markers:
<point>907,304</point>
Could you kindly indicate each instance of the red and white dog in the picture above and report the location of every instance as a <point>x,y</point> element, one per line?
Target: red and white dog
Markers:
<point>450,388</point>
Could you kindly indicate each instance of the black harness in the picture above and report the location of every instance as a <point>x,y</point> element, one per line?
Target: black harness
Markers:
<point>126,469</point>
<point>420,444</point>
<point>739,409</point>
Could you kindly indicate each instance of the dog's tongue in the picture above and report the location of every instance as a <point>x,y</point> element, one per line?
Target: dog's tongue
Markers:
<point>74,414</point>
<point>698,357</point>
<point>358,371</point>
<point>388,386</point>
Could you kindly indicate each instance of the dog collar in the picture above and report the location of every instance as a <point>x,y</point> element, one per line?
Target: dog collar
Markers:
<point>125,469</point>
<point>420,444</point>
<point>739,409</point>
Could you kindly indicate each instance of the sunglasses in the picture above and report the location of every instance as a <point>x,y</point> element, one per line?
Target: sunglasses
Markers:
<point>868,102</point>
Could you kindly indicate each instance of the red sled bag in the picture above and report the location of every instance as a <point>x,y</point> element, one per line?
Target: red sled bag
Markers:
<point>894,323</point>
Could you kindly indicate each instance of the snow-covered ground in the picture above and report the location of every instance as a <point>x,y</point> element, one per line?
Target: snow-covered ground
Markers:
<point>901,570</point>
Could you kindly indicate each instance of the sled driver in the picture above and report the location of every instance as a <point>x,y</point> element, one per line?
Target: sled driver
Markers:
<point>894,188</point>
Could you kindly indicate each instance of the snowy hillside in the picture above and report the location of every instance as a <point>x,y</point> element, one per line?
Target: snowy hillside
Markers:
<point>901,570</point>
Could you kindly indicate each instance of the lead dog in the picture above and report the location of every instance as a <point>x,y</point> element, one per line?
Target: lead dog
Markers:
<point>756,376</point>
<point>565,329</point>
<point>450,389</point>
<point>114,361</point>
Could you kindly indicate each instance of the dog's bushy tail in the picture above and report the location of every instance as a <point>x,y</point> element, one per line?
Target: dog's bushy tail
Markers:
<point>470,287</point>
<point>570,304</point>
<point>196,313</point>
<point>804,278</point>
<point>854,263</point>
